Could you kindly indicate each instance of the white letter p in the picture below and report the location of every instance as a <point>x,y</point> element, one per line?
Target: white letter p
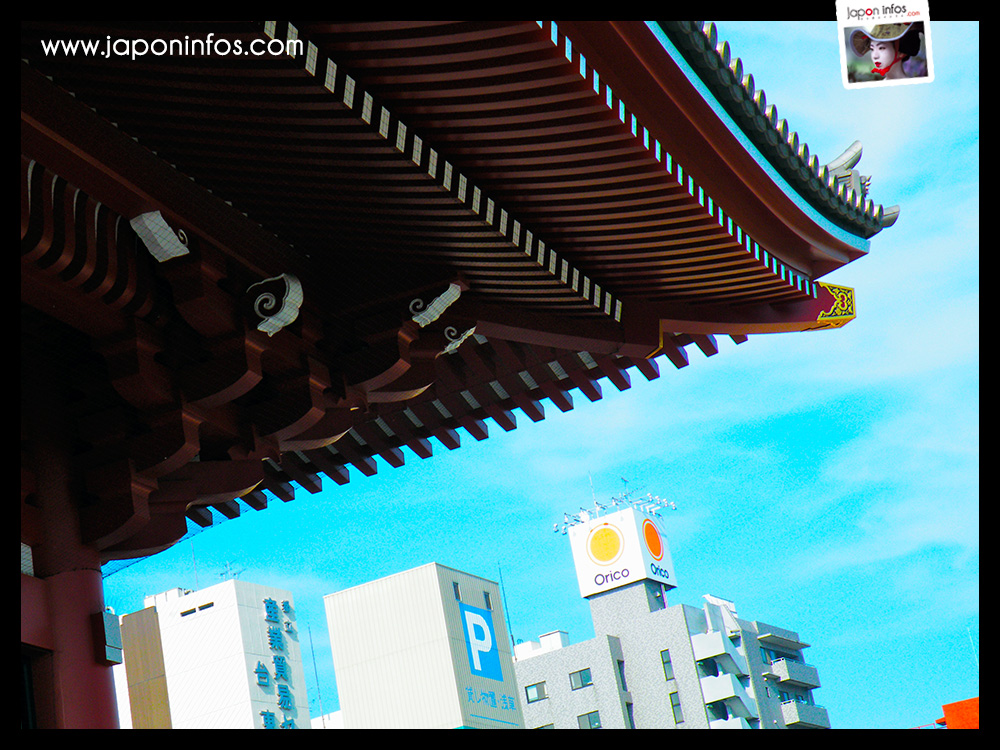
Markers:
<point>476,644</point>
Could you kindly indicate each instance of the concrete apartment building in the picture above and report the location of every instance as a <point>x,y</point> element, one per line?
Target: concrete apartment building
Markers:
<point>651,665</point>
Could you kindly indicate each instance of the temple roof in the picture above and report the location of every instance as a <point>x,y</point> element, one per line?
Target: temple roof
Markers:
<point>460,219</point>
<point>734,89</point>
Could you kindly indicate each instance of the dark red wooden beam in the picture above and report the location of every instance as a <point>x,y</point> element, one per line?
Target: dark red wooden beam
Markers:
<point>300,473</point>
<point>615,373</point>
<point>377,440</point>
<point>72,140</point>
<point>326,463</point>
<point>405,432</point>
<point>354,455</point>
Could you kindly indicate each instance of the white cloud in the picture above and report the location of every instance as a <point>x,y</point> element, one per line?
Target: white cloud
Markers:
<point>906,488</point>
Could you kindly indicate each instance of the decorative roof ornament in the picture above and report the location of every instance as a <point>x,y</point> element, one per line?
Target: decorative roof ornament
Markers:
<point>276,302</point>
<point>161,241</point>
<point>712,59</point>
<point>456,339</point>
<point>851,182</point>
<point>424,314</point>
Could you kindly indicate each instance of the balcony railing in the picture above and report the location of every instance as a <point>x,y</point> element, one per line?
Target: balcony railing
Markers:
<point>733,722</point>
<point>775,636</point>
<point>791,672</point>
<point>727,688</point>
<point>718,646</point>
<point>799,715</point>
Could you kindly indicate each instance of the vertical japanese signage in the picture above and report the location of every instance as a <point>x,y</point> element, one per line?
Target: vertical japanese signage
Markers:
<point>276,672</point>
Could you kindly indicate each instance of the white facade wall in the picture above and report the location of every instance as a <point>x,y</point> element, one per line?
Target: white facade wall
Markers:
<point>232,657</point>
<point>401,655</point>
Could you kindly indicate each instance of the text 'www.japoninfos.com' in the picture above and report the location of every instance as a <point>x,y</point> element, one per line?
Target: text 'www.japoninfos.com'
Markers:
<point>210,45</point>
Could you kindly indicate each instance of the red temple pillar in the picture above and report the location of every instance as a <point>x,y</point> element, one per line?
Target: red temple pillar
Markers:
<point>83,691</point>
<point>65,632</point>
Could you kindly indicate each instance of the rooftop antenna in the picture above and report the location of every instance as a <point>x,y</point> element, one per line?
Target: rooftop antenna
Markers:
<point>649,504</point>
<point>316,672</point>
<point>194,562</point>
<point>506,609</point>
<point>230,573</point>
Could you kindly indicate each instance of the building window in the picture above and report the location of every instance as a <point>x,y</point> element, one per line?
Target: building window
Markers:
<point>535,693</point>
<point>621,675</point>
<point>770,656</point>
<point>668,668</point>
<point>675,704</point>
<point>629,716</point>
<point>458,594</point>
<point>487,600</point>
<point>590,721</point>
<point>580,679</point>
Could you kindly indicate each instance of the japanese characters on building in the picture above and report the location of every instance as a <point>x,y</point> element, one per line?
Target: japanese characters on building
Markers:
<point>274,676</point>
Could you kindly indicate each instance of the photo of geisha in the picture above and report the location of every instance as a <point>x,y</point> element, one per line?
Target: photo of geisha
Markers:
<point>886,52</point>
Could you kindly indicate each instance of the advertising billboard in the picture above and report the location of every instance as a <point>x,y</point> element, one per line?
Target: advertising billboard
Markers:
<point>619,549</point>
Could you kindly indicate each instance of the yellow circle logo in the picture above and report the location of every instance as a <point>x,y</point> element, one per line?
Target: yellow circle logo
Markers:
<point>605,544</point>
<point>651,535</point>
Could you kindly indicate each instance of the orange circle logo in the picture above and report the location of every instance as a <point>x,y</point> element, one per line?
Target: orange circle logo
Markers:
<point>651,536</point>
<point>605,544</point>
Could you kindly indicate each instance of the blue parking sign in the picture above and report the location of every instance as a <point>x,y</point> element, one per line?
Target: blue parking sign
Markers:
<point>481,642</point>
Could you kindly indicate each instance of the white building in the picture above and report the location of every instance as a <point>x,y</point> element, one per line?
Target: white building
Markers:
<point>427,648</point>
<point>654,666</point>
<point>227,656</point>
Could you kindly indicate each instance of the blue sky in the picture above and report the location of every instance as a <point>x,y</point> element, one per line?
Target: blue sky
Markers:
<point>826,482</point>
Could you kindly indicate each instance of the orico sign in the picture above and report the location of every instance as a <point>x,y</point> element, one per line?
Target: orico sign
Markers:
<point>657,571</point>
<point>619,549</point>
<point>618,575</point>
